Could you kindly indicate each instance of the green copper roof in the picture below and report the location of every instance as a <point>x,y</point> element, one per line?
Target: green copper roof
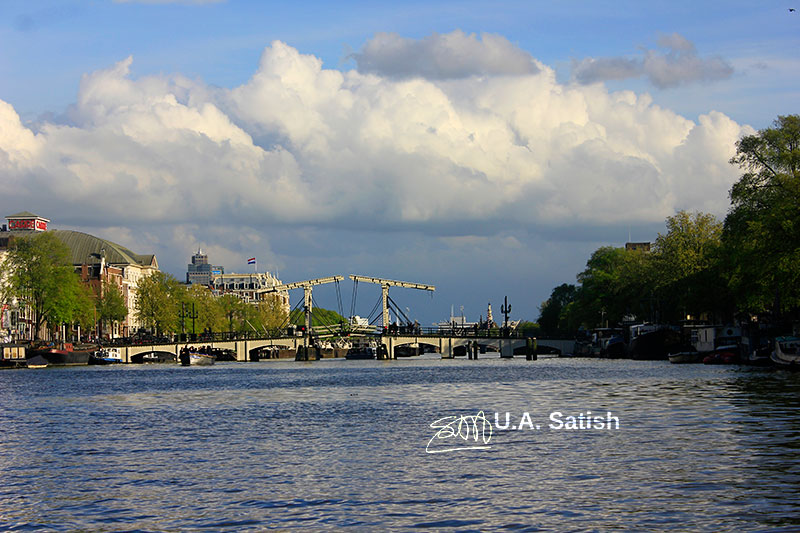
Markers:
<point>87,249</point>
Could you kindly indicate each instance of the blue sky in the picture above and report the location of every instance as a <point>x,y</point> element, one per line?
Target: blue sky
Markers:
<point>486,148</point>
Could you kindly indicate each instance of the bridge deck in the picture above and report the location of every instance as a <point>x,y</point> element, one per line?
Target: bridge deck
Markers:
<point>448,345</point>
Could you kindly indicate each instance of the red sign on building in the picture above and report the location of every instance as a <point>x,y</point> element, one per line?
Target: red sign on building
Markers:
<point>25,224</point>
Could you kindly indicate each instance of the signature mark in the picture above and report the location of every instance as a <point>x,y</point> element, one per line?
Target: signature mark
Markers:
<point>468,428</point>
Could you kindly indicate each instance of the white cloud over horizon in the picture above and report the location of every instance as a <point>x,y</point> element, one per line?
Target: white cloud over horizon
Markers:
<point>298,145</point>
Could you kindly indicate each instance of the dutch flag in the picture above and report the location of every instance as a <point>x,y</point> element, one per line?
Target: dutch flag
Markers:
<point>251,261</point>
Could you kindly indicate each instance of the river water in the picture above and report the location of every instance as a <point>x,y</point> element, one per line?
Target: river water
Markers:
<point>341,445</point>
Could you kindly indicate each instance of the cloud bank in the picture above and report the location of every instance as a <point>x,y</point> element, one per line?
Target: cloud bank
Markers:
<point>678,65</point>
<point>447,153</point>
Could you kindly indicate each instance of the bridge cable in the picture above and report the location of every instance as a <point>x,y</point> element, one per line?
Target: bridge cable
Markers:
<point>353,300</point>
<point>397,310</point>
<point>378,305</point>
<point>328,325</point>
<point>288,319</point>
<point>339,299</point>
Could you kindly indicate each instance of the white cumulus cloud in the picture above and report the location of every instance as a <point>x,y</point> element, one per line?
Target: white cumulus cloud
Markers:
<point>301,145</point>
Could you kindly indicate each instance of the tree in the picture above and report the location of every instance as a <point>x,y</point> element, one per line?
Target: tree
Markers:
<point>233,311</point>
<point>686,262</point>
<point>209,314</point>
<point>762,228</point>
<point>616,284</point>
<point>85,312</point>
<point>272,315</point>
<point>158,301</point>
<point>42,277</point>
<point>319,317</point>
<point>111,304</point>
<point>552,316</point>
<point>601,284</point>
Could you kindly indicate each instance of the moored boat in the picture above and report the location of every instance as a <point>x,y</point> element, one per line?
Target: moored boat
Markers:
<point>154,356</point>
<point>37,362</point>
<point>653,341</point>
<point>614,347</point>
<point>67,354</point>
<point>724,355</point>
<point>687,356</point>
<point>607,342</point>
<point>362,352</point>
<point>787,352</point>
<point>760,356</point>
<point>106,356</point>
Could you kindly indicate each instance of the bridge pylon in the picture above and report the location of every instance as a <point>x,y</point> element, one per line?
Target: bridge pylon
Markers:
<point>385,284</point>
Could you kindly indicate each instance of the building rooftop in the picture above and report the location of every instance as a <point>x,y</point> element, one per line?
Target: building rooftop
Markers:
<point>25,214</point>
<point>88,249</point>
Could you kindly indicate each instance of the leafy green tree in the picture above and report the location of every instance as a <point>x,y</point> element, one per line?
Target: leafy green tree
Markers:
<point>762,228</point>
<point>686,260</point>
<point>42,277</point>
<point>111,304</point>
<point>272,315</point>
<point>530,329</point>
<point>233,312</point>
<point>158,301</point>
<point>206,306</point>
<point>598,301</point>
<point>617,283</point>
<point>552,312</point>
<point>85,312</point>
<point>319,317</point>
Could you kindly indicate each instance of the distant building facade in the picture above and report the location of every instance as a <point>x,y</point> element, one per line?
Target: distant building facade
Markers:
<point>638,246</point>
<point>96,260</point>
<point>199,271</point>
<point>16,321</point>
<point>99,260</point>
<point>249,287</point>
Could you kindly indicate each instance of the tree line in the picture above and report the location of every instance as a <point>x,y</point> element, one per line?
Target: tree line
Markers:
<point>41,278</point>
<point>702,268</point>
<point>164,305</point>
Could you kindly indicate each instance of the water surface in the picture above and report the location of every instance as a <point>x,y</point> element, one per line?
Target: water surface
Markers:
<point>336,444</point>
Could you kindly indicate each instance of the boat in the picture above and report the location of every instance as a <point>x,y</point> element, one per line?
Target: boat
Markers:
<point>220,354</point>
<point>362,351</point>
<point>614,346</point>
<point>723,355</point>
<point>686,356</point>
<point>106,356</point>
<point>653,342</point>
<point>37,362</point>
<point>191,356</point>
<point>67,354</point>
<point>760,356</point>
<point>156,356</point>
<point>787,352</point>
<point>408,350</point>
<point>197,358</point>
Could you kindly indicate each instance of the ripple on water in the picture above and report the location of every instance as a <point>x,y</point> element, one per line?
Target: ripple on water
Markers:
<point>336,445</point>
